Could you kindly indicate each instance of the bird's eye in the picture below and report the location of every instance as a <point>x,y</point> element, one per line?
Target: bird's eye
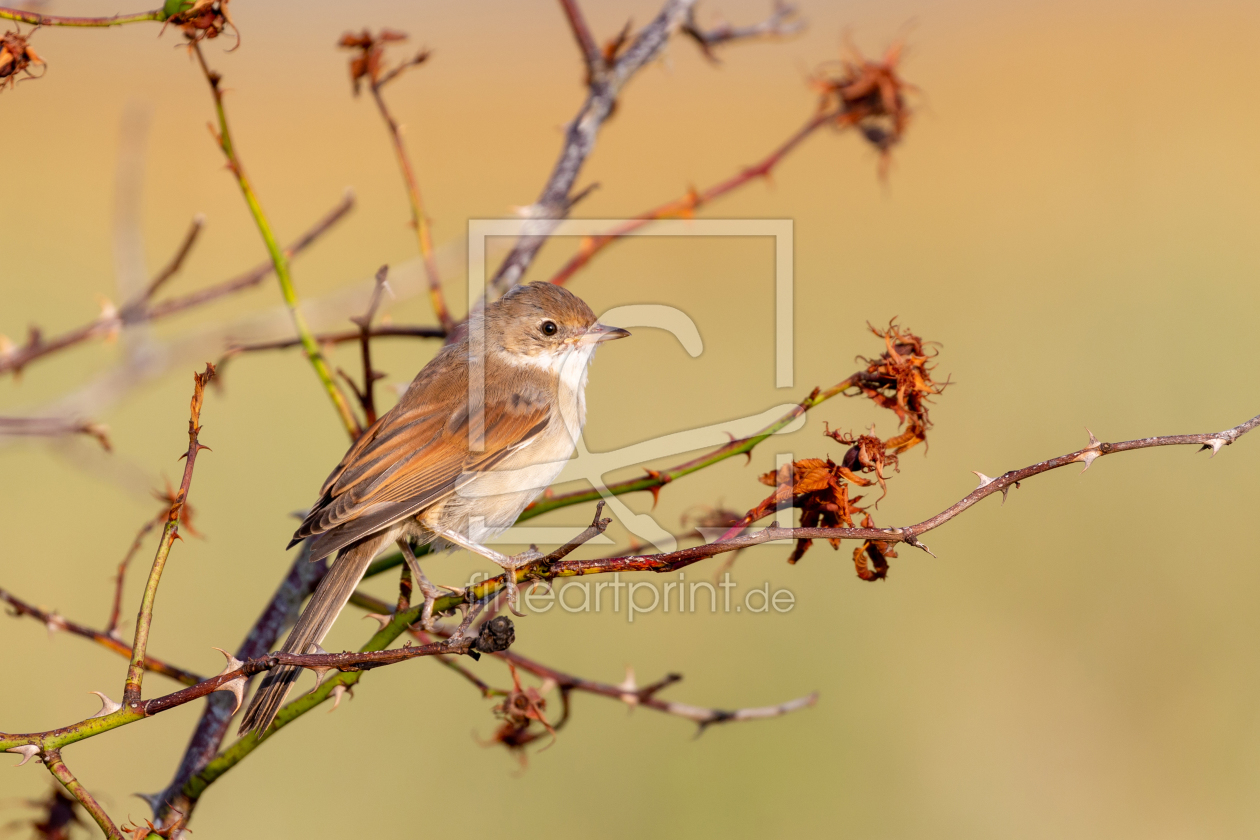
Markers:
<point>549,328</point>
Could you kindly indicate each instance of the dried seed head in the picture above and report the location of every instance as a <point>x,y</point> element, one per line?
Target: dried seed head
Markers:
<point>496,634</point>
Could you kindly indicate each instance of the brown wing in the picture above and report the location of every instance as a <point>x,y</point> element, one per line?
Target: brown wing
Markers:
<point>416,454</point>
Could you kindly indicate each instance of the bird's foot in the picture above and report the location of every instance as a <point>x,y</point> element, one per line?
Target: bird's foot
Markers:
<point>510,566</point>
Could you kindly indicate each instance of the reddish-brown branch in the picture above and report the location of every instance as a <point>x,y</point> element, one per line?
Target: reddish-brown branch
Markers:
<point>582,34</point>
<point>685,207</point>
<point>110,321</point>
<point>367,397</point>
<point>368,63</point>
<point>55,622</point>
<point>546,569</point>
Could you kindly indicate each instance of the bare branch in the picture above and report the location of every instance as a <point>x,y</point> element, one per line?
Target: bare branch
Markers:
<point>55,622</point>
<point>781,23</point>
<point>110,321</point>
<point>53,427</point>
<point>380,331</point>
<point>177,261</point>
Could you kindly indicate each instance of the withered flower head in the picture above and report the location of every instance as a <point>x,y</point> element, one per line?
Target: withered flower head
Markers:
<point>900,379</point>
<point>819,488</point>
<point>520,709</point>
<point>369,60</point>
<point>866,453</point>
<point>868,95</point>
<point>201,20</point>
<point>16,56</point>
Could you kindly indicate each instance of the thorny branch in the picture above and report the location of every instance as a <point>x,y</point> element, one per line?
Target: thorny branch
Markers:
<point>112,319</point>
<point>170,533</point>
<point>627,692</point>
<point>493,636</point>
<point>548,568</point>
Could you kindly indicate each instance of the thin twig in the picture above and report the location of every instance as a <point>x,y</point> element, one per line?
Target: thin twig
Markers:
<point>177,261</point>
<point>55,622</point>
<point>53,427</point>
<point>367,396</point>
<point>419,220</point>
<point>135,672</point>
<point>115,611</point>
<point>685,207</point>
<point>52,759</point>
<point>37,19</point>
<point>781,23</point>
<point>110,321</point>
<point>342,337</point>
<point>490,589</point>
<point>278,258</point>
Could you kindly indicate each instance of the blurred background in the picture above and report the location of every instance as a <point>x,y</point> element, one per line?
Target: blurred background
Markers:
<point>1073,216</point>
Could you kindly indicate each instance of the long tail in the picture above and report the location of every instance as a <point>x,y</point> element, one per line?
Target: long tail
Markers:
<point>312,625</point>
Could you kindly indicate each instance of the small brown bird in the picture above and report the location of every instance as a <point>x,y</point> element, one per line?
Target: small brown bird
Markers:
<point>447,465</point>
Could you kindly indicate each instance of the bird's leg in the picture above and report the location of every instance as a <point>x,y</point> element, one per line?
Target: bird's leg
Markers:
<point>509,564</point>
<point>427,589</point>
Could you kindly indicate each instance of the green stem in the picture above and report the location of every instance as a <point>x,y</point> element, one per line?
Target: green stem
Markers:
<point>135,671</point>
<point>278,258</point>
<point>37,19</point>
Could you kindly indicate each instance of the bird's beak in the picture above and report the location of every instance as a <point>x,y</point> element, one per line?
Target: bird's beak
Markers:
<point>599,333</point>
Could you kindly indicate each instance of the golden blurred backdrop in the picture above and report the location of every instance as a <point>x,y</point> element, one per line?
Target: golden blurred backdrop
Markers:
<point>1072,216</point>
